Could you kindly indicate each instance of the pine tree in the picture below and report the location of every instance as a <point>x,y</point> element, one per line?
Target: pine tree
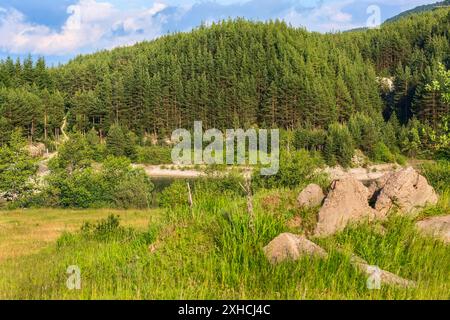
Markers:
<point>116,141</point>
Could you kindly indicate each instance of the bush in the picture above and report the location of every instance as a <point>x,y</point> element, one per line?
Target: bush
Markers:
<point>174,196</point>
<point>297,169</point>
<point>133,191</point>
<point>74,154</point>
<point>114,184</point>
<point>108,230</point>
<point>365,132</point>
<point>381,153</point>
<point>310,139</point>
<point>228,184</point>
<point>116,141</point>
<point>154,155</point>
<point>81,189</point>
<point>16,168</point>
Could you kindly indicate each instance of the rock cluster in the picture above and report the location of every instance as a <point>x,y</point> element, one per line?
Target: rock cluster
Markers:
<point>349,201</point>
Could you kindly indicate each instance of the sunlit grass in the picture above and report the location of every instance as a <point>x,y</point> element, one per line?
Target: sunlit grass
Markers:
<point>212,253</point>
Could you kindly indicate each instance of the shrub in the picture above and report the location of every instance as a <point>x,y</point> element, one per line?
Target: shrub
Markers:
<point>310,139</point>
<point>75,153</point>
<point>81,189</point>
<point>176,195</point>
<point>133,191</point>
<point>228,184</point>
<point>154,155</point>
<point>364,131</point>
<point>114,184</point>
<point>297,169</point>
<point>108,230</point>
<point>381,153</point>
<point>99,150</point>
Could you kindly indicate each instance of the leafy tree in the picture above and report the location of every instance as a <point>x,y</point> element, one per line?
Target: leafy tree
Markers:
<point>74,154</point>
<point>16,167</point>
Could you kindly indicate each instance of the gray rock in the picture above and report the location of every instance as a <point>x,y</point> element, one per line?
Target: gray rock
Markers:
<point>407,190</point>
<point>383,276</point>
<point>288,246</point>
<point>347,202</point>
<point>311,196</point>
<point>438,227</point>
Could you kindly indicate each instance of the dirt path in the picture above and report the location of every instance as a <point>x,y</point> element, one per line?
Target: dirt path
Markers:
<point>170,171</point>
<point>177,171</point>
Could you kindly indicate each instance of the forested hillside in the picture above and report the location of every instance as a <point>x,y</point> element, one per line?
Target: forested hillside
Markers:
<point>420,9</point>
<point>236,74</point>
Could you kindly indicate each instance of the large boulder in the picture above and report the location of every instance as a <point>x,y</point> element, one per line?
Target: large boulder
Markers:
<point>377,185</point>
<point>311,196</point>
<point>347,202</point>
<point>407,190</point>
<point>288,246</point>
<point>438,227</point>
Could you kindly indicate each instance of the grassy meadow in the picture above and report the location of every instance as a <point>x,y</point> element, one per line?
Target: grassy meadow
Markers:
<point>210,252</point>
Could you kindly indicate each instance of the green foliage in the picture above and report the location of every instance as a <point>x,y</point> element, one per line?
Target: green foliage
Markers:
<point>130,149</point>
<point>74,154</point>
<point>112,184</point>
<point>438,174</point>
<point>242,74</point>
<point>116,141</point>
<point>99,149</point>
<point>154,155</point>
<point>229,184</point>
<point>174,196</point>
<point>442,84</point>
<point>339,147</point>
<point>381,153</point>
<point>16,167</point>
<point>297,169</point>
<point>129,188</point>
<point>310,139</point>
<point>107,230</point>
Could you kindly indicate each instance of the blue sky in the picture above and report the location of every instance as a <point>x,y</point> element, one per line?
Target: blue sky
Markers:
<point>61,29</point>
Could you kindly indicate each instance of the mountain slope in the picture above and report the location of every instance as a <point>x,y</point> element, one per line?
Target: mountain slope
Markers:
<point>419,9</point>
<point>235,74</point>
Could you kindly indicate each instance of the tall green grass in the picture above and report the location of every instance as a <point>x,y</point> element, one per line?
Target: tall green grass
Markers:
<point>211,252</point>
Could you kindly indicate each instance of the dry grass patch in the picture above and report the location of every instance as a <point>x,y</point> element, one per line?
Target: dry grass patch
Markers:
<point>24,232</point>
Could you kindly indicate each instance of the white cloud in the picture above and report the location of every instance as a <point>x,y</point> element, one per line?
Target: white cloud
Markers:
<point>90,25</point>
<point>325,17</point>
<point>98,24</point>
